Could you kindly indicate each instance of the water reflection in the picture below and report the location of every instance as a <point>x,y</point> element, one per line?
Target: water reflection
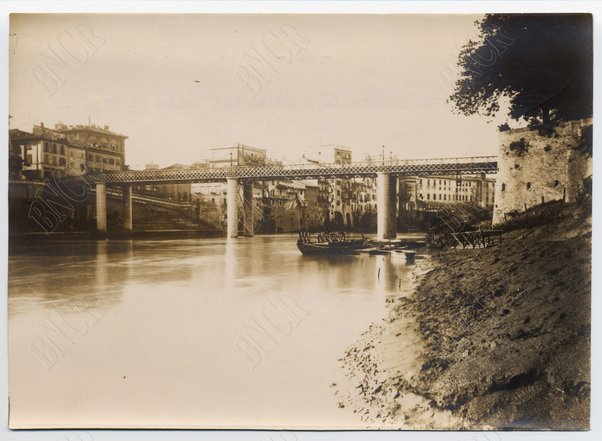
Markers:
<point>165,315</point>
<point>229,264</point>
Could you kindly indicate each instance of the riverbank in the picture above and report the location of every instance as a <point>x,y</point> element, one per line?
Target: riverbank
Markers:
<point>494,338</point>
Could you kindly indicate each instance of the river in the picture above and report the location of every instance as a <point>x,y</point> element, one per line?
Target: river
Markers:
<point>197,333</point>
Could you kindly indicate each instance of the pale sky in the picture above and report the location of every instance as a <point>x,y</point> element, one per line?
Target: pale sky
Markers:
<point>172,83</point>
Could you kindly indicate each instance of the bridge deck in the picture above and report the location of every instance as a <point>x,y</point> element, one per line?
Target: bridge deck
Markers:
<point>412,167</point>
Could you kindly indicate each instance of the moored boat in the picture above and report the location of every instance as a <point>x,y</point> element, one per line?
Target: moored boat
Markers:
<point>329,244</point>
<point>327,249</point>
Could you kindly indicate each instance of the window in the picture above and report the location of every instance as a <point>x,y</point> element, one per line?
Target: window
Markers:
<point>45,147</point>
<point>528,186</point>
<point>428,196</point>
<point>503,187</point>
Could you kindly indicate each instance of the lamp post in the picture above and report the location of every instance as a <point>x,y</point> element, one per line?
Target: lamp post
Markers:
<point>230,159</point>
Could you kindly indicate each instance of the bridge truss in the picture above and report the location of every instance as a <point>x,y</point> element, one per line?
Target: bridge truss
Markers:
<point>411,167</point>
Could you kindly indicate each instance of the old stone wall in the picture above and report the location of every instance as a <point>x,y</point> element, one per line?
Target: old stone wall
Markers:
<point>536,168</point>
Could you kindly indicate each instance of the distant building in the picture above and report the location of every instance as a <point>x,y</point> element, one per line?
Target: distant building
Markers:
<point>105,150</point>
<point>237,156</point>
<point>339,190</point>
<point>182,192</point>
<point>429,191</point>
<point>64,151</point>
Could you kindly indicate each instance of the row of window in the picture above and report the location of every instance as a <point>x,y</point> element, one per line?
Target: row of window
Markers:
<point>53,148</point>
<point>443,197</point>
<point>447,183</point>
<point>60,149</point>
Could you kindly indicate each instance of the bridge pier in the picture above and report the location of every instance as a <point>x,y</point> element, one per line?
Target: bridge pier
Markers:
<point>232,207</point>
<point>101,207</point>
<point>386,200</point>
<point>127,207</point>
<point>247,196</point>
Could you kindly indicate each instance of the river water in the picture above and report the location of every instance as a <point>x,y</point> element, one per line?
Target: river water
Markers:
<point>187,333</point>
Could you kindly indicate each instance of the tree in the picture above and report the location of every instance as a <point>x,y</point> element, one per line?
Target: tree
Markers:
<point>542,63</point>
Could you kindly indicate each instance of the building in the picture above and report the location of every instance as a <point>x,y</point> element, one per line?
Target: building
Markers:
<point>182,192</point>
<point>237,156</point>
<point>426,192</point>
<point>64,150</point>
<point>338,190</point>
<point>105,150</point>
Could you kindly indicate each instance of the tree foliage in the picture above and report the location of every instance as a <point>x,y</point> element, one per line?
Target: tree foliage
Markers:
<point>542,63</point>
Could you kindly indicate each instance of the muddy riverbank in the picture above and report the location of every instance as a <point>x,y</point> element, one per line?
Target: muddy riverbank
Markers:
<point>494,338</point>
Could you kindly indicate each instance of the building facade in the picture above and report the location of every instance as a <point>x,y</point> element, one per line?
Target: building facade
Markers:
<point>238,155</point>
<point>427,192</point>
<point>63,151</point>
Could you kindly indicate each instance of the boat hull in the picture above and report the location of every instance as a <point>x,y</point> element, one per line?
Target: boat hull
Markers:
<point>328,249</point>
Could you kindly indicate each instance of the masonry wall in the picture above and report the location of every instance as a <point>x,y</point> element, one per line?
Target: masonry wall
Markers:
<point>535,168</point>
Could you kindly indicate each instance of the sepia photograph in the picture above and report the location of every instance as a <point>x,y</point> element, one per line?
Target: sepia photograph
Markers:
<point>300,221</point>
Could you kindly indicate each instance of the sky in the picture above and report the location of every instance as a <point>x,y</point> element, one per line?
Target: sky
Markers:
<point>179,85</point>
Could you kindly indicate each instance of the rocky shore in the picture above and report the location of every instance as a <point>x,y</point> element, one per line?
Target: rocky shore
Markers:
<point>491,338</point>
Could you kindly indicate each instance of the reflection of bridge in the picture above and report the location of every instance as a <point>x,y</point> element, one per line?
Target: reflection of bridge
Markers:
<point>386,173</point>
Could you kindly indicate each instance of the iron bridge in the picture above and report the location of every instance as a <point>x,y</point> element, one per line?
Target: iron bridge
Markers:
<point>408,167</point>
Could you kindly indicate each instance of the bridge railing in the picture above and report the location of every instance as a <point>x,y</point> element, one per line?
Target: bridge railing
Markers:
<point>295,171</point>
<point>387,163</point>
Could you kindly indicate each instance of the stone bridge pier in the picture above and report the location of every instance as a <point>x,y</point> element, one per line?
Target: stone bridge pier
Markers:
<point>101,207</point>
<point>232,198</point>
<point>386,206</point>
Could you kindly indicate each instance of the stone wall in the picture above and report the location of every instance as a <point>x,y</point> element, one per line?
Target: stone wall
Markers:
<point>535,168</point>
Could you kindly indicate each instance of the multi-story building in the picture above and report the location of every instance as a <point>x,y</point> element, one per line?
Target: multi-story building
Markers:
<point>340,210</point>
<point>105,150</point>
<point>64,151</point>
<point>429,191</point>
<point>236,156</point>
